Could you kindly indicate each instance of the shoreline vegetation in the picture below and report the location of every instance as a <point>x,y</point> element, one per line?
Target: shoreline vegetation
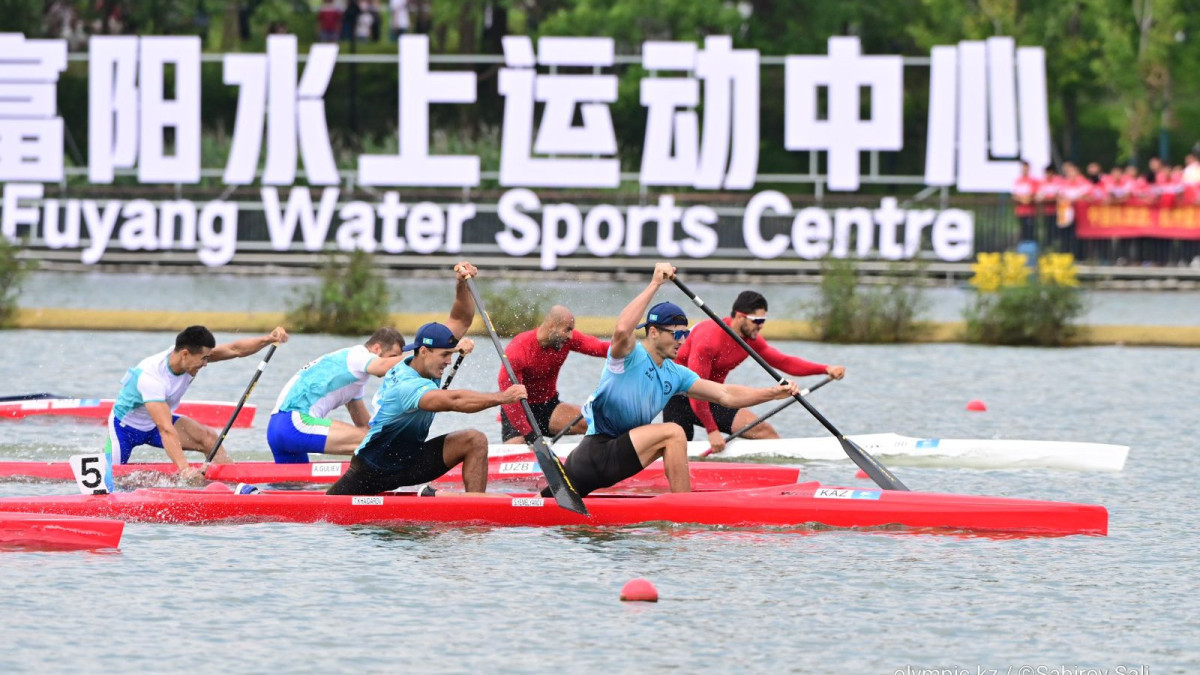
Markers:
<point>923,331</point>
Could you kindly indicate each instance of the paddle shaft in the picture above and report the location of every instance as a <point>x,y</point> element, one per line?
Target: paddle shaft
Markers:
<point>453,371</point>
<point>556,476</point>
<point>878,472</point>
<point>245,395</point>
<point>764,418</point>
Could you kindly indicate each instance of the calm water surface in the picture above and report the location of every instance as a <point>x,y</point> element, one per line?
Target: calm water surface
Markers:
<point>229,293</point>
<point>289,598</point>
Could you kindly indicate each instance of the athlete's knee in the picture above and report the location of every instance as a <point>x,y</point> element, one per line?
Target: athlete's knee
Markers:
<point>673,432</point>
<point>472,441</point>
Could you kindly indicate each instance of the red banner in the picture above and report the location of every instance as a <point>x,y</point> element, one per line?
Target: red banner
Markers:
<point>1104,221</point>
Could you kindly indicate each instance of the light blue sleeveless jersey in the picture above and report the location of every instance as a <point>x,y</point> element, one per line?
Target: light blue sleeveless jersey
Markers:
<point>633,391</point>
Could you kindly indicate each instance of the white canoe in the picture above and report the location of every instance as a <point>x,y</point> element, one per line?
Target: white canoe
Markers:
<point>894,449</point>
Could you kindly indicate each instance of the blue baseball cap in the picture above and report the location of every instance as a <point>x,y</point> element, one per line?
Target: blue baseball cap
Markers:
<point>665,314</point>
<point>434,336</point>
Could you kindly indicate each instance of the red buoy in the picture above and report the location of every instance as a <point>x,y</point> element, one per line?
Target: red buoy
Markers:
<point>976,405</point>
<point>639,590</point>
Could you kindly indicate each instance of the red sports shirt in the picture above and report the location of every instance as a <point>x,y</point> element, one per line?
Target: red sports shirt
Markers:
<point>712,354</point>
<point>537,368</point>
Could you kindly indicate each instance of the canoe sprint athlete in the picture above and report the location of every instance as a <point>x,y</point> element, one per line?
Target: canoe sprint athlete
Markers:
<point>712,354</point>
<point>536,358</point>
<point>300,423</point>
<point>396,450</point>
<point>638,380</point>
<point>144,412</point>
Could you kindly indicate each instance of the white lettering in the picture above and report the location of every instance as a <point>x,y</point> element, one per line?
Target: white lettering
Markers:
<point>217,245</point>
<point>769,200</point>
<point>100,228</point>
<point>313,227</point>
<point>357,230</point>
<point>15,214</point>
<point>521,233</point>
<point>702,239</point>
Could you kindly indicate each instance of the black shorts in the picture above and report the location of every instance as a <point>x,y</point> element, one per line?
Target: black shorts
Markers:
<point>600,461</point>
<point>541,412</point>
<point>679,410</point>
<point>422,465</point>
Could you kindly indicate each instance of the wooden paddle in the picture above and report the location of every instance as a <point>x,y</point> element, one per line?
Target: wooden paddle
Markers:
<point>245,395</point>
<point>556,476</point>
<point>764,418</point>
<point>878,472</point>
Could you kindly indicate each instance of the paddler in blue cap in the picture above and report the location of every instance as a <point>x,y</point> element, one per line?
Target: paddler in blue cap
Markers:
<point>639,378</point>
<point>396,450</point>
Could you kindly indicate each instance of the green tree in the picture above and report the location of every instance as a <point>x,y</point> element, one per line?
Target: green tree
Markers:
<point>12,272</point>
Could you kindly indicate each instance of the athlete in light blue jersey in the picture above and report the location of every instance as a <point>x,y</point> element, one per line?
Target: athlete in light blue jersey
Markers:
<point>638,380</point>
<point>301,424</point>
<point>143,413</point>
<point>397,450</point>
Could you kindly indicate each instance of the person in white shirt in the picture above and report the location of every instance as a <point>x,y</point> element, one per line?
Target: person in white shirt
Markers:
<point>144,412</point>
<point>400,21</point>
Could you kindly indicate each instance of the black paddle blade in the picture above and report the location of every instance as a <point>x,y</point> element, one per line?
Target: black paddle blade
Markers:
<point>871,466</point>
<point>556,477</point>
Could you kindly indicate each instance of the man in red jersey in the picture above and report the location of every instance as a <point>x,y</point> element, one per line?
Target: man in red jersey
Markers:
<point>712,354</point>
<point>536,356</point>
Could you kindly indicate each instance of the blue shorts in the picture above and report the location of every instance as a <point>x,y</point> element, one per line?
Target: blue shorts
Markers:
<point>292,435</point>
<point>128,438</point>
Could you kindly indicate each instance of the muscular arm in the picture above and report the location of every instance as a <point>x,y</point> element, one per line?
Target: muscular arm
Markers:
<point>462,313</point>
<point>735,395</point>
<point>460,400</point>
<point>701,363</point>
<point>358,413</point>
<point>160,412</point>
<point>792,365</point>
<point>380,366</point>
<point>246,346</point>
<point>586,344</point>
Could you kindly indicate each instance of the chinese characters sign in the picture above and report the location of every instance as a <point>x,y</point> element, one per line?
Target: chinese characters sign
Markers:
<point>987,108</point>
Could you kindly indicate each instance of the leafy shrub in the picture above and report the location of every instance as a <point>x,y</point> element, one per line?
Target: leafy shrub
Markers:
<point>12,273</point>
<point>352,299</point>
<point>512,308</point>
<point>1023,311</point>
<point>848,312</point>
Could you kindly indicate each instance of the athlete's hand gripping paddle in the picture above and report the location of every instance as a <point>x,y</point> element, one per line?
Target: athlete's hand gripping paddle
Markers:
<point>764,418</point>
<point>245,395</point>
<point>556,476</point>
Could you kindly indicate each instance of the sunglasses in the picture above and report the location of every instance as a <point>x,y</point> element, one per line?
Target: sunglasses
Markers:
<point>757,320</point>
<point>679,334</point>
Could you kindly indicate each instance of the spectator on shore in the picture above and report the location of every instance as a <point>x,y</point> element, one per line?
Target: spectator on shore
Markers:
<point>400,20</point>
<point>329,21</point>
<point>350,21</point>
<point>1046,198</point>
<point>372,8</point>
<point>364,22</point>
<point>1024,193</point>
<point>1094,172</point>
<point>1191,171</point>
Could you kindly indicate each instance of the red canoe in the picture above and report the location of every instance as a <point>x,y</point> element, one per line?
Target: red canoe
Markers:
<point>53,531</point>
<point>520,468</point>
<point>799,505</point>
<point>210,413</point>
